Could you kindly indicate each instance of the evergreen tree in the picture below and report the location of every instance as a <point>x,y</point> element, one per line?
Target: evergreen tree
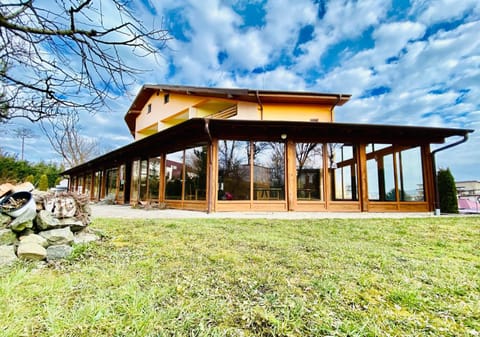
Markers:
<point>43,184</point>
<point>447,192</point>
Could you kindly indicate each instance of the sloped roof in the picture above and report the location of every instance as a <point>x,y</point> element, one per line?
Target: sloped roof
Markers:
<point>246,95</point>
<point>197,131</point>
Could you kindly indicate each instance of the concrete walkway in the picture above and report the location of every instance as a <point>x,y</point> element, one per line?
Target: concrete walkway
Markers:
<point>127,212</point>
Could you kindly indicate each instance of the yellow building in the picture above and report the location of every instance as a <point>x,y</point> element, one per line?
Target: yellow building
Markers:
<point>217,149</point>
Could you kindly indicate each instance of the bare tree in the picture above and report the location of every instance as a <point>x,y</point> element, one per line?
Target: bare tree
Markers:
<point>64,136</point>
<point>65,56</point>
<point>23,133</point>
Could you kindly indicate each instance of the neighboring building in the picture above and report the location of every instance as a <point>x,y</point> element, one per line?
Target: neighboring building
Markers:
<point>468,196</point>
<point>217,149</point>
<point>470,188</point>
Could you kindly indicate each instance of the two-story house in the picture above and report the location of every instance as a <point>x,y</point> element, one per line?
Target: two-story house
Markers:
<point>217,149</point>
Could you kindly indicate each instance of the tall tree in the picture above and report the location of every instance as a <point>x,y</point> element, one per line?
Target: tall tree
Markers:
<point>64,56</point>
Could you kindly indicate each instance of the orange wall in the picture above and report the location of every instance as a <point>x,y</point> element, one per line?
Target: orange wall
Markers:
<point>300,113</point>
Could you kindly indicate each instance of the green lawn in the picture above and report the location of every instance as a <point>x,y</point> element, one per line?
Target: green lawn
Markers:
<point>346,277</point>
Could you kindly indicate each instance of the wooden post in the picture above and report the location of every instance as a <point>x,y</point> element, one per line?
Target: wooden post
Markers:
<point>291,175</point>
<point>362,173</point>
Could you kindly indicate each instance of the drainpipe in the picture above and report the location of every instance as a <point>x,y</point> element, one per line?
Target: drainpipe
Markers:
<point>261,105</point>
<point>334,105</point>
<point>210,152</point>
<point>437,193</point>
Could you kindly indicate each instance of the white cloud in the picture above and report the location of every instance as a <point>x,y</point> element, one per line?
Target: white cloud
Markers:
<point>431,12</point>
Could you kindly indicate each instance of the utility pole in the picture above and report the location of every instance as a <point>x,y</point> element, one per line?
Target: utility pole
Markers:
<point>23,133</point>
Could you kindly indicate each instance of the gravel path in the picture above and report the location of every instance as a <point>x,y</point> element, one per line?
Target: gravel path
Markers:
<point>127,212</point>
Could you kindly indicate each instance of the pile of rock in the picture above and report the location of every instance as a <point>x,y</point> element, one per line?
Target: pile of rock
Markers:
<point>44,226</point>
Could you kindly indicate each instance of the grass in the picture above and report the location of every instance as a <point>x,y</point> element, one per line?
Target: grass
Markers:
<point>375,277</point>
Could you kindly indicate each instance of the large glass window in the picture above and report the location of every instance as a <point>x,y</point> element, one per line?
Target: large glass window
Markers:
<point>112,176</point>
<point>394,175</point>
<point>143,180</point>
<point>134,187</point>
<point>233,170</point>
<point>97,185</point>
<point>409,164</point>
<point>343,171</point>
<point>196,173</point>
<point>309,158</point>
<point>88,184</point>
<point>153,178</point>
<point>268,170</point>
<point>381,173</point>
<point>174,175</point>
<point>121,183</point>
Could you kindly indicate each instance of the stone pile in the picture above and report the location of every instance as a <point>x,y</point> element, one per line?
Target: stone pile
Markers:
<point>58,221</point>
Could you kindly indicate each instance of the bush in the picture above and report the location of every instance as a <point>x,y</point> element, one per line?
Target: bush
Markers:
<point>447,192</point>
<point>43,183</point>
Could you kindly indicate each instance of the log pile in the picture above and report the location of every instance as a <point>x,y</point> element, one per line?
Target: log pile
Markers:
<point>37,225</point>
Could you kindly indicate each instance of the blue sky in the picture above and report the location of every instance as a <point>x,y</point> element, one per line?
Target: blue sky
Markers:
<point>404,62</point>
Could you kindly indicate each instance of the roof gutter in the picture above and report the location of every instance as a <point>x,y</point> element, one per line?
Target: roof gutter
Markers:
<point>434,165</point>
<point>259,103</point>
<point>339,98</point>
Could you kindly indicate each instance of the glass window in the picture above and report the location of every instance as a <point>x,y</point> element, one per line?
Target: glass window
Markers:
<point>409,164</point>
<point>143,180</point>
<point>88,184</point>
<point>380,173</point>
<point>173,175</point>
<point>268,170</point>
<point>134,188</point>
<point>97,185</point>
<point>196,173</point>
<point>343,171</point>
<point>121,183</point>
<point>153,178</point>
<point>112,175</point>
<point>309,158</point>
<point>233,170</point>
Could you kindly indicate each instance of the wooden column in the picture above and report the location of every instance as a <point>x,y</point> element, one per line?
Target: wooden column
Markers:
<point>161,180</point>
<point>291,175</point>
<point>362,177</point>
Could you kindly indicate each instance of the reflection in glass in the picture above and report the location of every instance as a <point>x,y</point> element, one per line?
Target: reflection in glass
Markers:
<point>88,184</point>
<point>268,171</point>
<point>233,170</point>
<point>143,180</point>
<point>121,183</point>
<point>134,187</point>
<point>409,164</point>
<point>309,171</point>
<point>112,175</point>
<point>97,185</point>
<point>153,178</point>
<point>196,173</point>
<point>173,175</point>
<point>343,171</point>
<point>380,173</point>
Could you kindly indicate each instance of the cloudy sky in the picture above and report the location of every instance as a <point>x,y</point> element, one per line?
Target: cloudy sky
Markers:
<point>404,62</point>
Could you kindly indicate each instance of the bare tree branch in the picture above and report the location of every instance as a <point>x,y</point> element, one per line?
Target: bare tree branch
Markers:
<point>62,57</point>
<point>64,136</point>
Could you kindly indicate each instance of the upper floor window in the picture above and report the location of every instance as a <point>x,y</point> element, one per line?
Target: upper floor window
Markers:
<point>166,98</point>
<point>149,108</point>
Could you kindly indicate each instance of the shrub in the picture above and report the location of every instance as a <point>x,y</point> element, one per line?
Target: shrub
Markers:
<point>43,183</point>
<point>447,192</point>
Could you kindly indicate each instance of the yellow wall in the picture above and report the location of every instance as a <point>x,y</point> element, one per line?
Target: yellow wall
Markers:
<point>292,112</point>
<point>161,110</point>
<point>182,107</point>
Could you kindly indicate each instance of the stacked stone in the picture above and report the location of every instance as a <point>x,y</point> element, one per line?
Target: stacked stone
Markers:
<point>61,220</point>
